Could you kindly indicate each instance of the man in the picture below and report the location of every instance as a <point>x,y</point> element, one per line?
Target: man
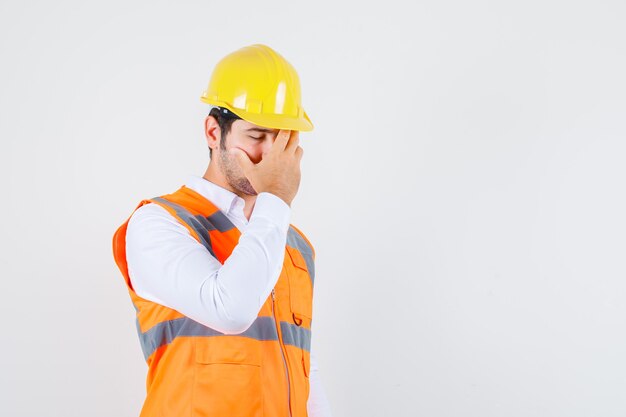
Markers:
<point>222,283</point>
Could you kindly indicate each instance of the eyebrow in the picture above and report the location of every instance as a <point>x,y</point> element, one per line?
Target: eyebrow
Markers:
<point>259,129</point>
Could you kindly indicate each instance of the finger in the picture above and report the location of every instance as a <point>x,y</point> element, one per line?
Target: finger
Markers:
<point>299,151</point>
<point>294,141</point>
<point>281,140</point>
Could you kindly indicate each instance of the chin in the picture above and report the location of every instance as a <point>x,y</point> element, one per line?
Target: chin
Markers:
<point>245,187</point>
<point>248,192</point>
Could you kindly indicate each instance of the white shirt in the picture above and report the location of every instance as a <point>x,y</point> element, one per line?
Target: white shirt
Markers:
<point>168,266</point>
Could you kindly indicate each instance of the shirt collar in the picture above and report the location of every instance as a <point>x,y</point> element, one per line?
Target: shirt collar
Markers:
<point>224,199</point>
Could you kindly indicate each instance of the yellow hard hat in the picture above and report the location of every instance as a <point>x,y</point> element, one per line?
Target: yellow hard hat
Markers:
<point>260,86</point>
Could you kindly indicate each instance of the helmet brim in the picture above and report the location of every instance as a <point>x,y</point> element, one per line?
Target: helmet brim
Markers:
<point>272,121</point>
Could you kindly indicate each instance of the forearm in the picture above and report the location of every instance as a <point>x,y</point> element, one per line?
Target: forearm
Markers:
<point>241,286</point>
<point>168,266</point>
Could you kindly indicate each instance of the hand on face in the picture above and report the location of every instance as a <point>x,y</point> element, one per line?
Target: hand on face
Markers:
<point>278,172</point>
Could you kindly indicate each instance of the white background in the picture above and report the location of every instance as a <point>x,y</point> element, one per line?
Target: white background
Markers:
<point>463,188</point>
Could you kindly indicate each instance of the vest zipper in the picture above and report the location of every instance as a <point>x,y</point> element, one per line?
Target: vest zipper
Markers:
<point>282,352</point>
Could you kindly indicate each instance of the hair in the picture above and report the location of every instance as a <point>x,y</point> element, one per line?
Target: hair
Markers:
<point>225,120</point>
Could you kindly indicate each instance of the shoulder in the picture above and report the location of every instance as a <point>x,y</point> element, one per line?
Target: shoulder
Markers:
<point>298,239</point>
<point>152,218</point>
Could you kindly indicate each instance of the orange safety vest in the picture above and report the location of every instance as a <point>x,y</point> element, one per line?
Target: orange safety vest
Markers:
<point>194,370</point>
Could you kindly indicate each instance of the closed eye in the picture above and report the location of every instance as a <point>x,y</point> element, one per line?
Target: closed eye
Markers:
<point>256,137</point>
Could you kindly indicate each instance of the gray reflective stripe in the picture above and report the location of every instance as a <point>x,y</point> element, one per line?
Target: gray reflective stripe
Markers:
<point>216,221</point>
<point>263,328</point>
<point>295,240</point>
<point>200,224</point>
<point>296,335</point>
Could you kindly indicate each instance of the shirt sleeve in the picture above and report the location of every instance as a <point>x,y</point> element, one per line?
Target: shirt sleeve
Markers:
<point>168,266</point>
<point>317,405</point>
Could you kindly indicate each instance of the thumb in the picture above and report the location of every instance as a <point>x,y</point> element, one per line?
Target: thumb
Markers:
<point>242,158</point>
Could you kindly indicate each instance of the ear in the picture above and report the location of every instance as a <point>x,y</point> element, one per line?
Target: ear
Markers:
<point>212,132</point>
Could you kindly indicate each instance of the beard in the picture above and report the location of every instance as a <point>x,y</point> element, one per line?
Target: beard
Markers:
<point>234,174</point>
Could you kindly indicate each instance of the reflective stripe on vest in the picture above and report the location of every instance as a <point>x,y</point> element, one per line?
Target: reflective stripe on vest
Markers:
<point>263,328</point>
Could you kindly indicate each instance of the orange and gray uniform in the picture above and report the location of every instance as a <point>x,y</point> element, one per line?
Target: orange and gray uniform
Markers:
<point>195,370</point>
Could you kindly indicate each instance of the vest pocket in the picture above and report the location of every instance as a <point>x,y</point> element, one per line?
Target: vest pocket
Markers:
<point>227,377</point>
<point>300,286</point>
<point>232,349</point>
